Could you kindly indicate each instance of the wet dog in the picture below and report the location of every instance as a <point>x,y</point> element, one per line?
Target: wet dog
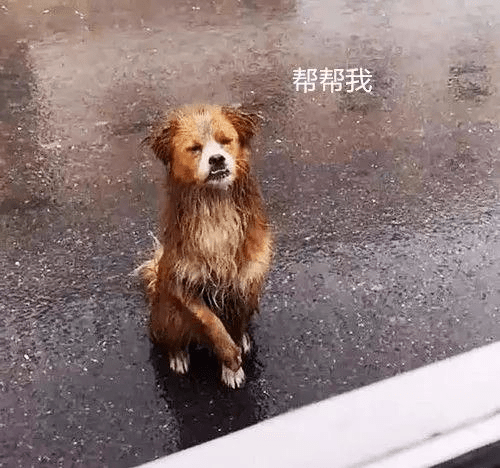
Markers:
<point>206,276</point>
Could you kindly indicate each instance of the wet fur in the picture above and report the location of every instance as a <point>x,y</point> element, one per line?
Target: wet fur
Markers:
<point>206,276</point>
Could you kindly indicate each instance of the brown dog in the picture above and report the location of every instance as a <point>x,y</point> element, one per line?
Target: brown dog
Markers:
<point>207,273</point>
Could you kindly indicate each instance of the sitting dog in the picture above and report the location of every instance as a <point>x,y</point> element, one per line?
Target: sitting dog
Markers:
<point>215,246</point>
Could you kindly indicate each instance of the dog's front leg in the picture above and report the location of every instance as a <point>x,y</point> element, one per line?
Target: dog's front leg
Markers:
<point>225,348</point>
<point>213,329</point>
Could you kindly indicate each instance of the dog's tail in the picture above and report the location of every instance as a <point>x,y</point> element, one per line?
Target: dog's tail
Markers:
<point>148,271</point>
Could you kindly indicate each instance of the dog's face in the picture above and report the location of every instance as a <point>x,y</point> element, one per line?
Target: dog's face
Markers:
<point>205,145</point>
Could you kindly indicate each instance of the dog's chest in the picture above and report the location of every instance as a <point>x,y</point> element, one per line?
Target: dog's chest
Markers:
<point>211,241</point>
<point>217,231</point>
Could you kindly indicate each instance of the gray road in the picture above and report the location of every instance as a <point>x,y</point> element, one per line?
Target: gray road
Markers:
<point>385,208</point>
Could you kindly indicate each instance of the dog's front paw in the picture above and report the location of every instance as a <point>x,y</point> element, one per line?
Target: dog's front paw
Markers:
<point>179,362</point>
<point>232,379</point>
<point>230,356</point>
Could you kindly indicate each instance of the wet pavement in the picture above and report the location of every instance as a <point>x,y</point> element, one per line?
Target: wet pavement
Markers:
<point>385,208</point>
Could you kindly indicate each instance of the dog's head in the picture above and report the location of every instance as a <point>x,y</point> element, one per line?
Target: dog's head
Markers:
<point>205,145</point>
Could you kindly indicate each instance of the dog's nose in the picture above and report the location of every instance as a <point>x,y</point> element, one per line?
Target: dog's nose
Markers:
<point>216,161</point>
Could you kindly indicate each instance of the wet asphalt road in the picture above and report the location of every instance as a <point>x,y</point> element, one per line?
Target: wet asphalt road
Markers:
<point>385,208</point>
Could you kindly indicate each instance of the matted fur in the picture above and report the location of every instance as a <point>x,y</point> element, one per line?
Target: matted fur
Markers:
<point>214,250</point>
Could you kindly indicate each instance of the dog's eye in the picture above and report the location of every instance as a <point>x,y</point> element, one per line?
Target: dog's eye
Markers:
<point>225,141</point>
<point>195,148</point>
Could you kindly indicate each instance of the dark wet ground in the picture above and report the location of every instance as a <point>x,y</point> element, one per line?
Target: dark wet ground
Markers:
<point>385,208</point>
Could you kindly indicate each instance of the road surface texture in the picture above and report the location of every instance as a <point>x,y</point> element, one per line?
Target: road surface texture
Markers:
<point>384,204</point>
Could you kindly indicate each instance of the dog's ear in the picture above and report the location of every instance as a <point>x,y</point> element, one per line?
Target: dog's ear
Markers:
<point>245,123</point>
<point>160,140</point>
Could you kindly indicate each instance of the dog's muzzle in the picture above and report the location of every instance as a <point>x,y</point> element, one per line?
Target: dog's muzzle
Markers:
<point>218,167</point>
